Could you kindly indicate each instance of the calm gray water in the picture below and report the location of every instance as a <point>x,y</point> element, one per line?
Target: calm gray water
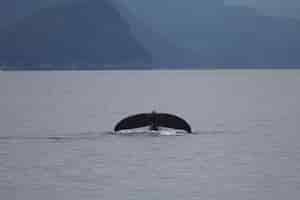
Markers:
<point>247,144</point>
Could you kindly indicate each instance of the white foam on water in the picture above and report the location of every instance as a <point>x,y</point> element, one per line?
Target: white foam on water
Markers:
<point>163,132</point>
<point>171,133</point>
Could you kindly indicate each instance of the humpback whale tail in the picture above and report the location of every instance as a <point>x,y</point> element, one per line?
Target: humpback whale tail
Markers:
<point>154,121</point>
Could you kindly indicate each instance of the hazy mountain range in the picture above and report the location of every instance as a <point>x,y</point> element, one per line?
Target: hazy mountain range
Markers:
<point>10,10</point>
<point>97,34</point>
<point>222,35</point>
<point>68,36</point>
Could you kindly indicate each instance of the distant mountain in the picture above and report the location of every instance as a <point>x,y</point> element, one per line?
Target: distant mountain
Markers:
<point>12,10</point>
<point>164,54</point>
<point>89,35</point>
<point>222,35</point>
<point>98,34</point>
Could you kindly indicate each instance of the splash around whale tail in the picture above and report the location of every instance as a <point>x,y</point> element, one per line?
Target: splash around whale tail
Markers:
<point>153,120</point>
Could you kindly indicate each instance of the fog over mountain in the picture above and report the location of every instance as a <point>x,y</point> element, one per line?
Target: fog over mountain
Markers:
<point>288,8</point>
<point>10,10</point>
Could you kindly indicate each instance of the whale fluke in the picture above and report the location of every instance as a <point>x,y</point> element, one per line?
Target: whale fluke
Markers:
<point>154,121</point>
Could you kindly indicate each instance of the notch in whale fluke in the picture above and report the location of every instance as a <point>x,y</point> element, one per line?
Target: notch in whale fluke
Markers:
<point>154,121</point>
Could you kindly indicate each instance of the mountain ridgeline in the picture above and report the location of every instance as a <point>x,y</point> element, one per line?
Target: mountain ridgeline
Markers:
<point>90,35</point>
<point>122,34</point>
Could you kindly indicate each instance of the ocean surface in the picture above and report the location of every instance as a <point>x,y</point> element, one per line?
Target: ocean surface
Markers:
<point>55,140</point>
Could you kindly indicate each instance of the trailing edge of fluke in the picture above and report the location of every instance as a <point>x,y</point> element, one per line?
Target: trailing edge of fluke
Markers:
<point>154,120</point>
